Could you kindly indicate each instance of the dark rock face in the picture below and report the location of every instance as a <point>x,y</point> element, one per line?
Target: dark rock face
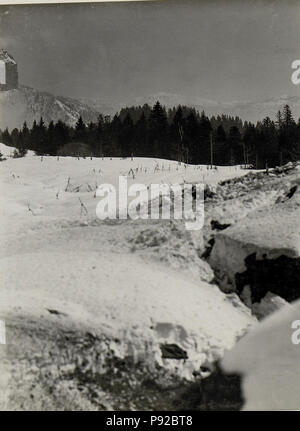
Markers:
<point>9,75</point>
<point>279,276</point>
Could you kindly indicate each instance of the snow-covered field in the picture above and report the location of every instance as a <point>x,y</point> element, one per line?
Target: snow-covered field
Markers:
<point>50,188</point>
<point>94,309</point>
<point>138,286</point>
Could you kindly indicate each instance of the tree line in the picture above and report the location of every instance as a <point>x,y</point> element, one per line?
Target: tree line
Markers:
<point>179,133</point>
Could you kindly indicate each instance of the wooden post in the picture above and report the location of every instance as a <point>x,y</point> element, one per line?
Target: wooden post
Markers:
<point>211,150</point>
<point>244,149</point>
<point>181,143</point>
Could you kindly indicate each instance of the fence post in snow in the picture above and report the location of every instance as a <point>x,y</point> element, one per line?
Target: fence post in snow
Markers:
<point>2,332</point>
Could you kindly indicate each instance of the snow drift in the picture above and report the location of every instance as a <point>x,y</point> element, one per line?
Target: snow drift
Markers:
<point>97,315</point>
<point>269,362</point>
<point>261,250</point>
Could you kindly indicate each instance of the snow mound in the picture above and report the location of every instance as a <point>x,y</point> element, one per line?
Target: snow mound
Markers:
<point>7,151</point>
<point>266,237</point>
<point>269,362</point>
<point>122,298</point>
<point>268,305</point>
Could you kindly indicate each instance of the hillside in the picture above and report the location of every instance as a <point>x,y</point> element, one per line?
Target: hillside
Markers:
<point>28,104</point>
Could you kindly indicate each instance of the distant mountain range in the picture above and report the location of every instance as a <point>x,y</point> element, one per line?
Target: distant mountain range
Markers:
<point>250,111</point>
<point>28,104</point>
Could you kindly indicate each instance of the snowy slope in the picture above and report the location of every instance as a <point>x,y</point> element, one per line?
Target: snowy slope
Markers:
<point>82,294</point>
<point>9,151</point>
<point>6,151</point>
<point>42,182</point>
<point>122,298</point>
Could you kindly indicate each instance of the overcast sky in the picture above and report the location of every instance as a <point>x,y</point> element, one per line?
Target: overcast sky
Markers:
<point>223,50</point>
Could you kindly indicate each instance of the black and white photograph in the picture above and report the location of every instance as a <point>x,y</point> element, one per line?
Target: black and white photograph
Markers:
<point>150,208</point>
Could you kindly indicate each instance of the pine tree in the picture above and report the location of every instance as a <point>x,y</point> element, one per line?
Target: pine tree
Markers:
<point>178,134</point>
<point>98,149</point>
<point>127,136</point>
<point>182,135</point>
<point>203,149</point>
<point>80,134</point>
<point>234,146</point>
<point>268,150</point>
<point>220,146</point>
<point>191,137</point>
<point>92,137</point>
<point>15,138</point>
<point>61,135</point>
<point>25,137</point>
<point>141,136</point>
<point>287,136</point>
<point>158,132</point>
<point>250,138</point>
<point>40,138</point>
<point>6,138</point>
<point>112,141</point>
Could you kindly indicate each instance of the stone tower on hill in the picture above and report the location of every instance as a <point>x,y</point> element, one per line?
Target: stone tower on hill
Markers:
<point>8,71</point>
